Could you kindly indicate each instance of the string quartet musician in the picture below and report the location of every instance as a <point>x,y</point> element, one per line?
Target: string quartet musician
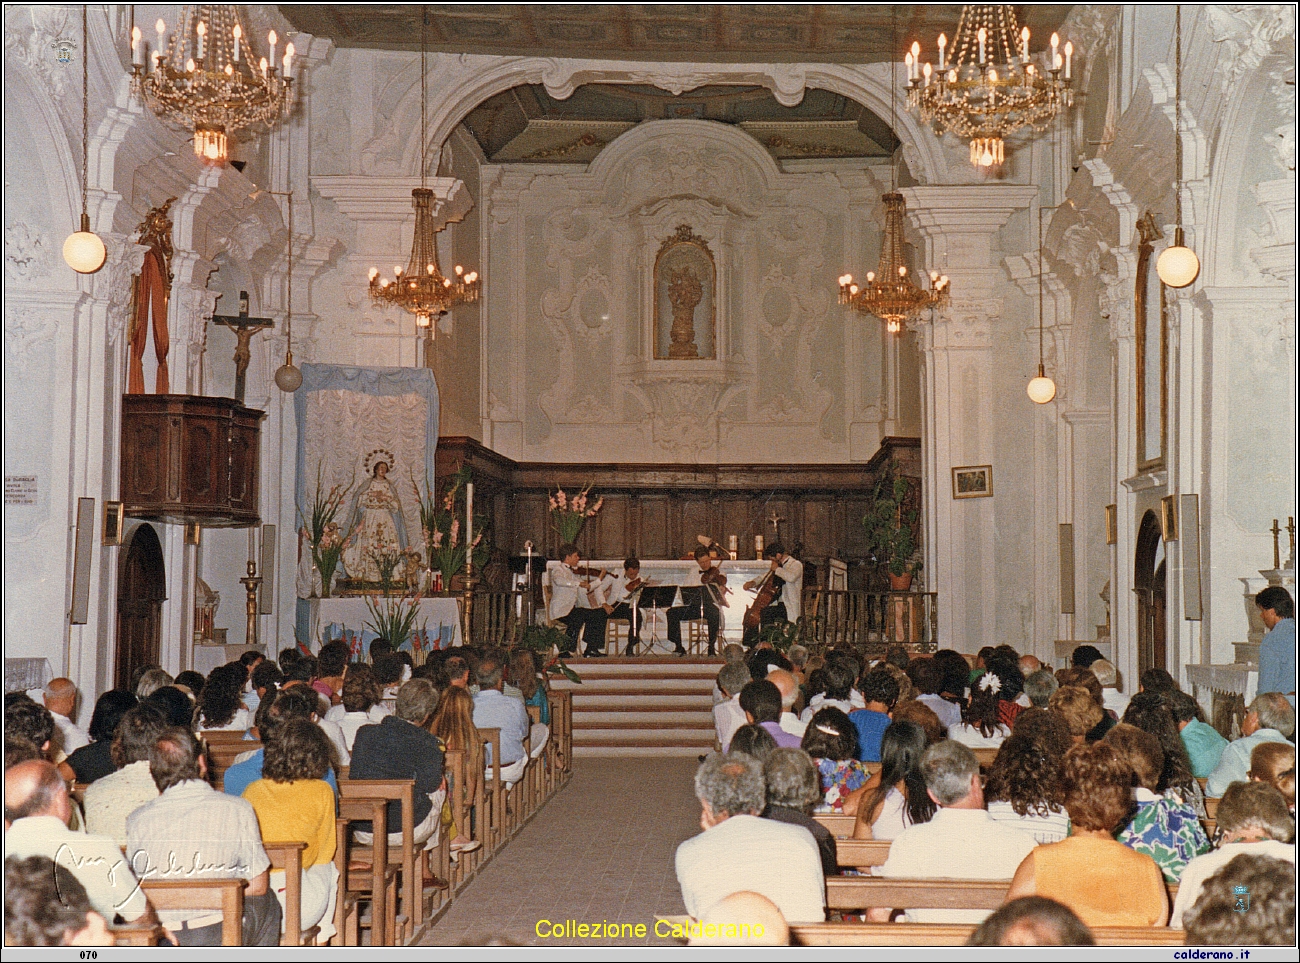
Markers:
<point>578,603</point>
<point>618,600</point>
<point>707,609</point>
<point>788,572</point>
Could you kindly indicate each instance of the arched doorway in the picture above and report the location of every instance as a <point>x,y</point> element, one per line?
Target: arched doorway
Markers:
<point>1149,586</point>
<point>141,590</point>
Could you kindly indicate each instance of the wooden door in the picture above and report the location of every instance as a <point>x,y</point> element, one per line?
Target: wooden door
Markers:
<point>141,590</point>
<point>1149,586</point>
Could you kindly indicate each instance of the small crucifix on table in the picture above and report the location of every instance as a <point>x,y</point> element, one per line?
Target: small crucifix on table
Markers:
<point>244,327</point>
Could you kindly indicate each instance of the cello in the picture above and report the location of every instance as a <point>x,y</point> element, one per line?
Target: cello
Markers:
<point>768,589</point>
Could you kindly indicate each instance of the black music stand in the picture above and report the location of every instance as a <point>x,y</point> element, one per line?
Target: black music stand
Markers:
<point>656,597</point>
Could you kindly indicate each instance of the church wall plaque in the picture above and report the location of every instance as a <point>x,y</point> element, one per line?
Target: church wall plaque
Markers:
<point>190,459</point>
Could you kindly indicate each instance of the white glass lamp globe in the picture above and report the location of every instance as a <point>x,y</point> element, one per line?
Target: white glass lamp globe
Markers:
<point>1041,389</point>
<point>84,252</point>
<point>1178,266</point>
<point>288,378</point>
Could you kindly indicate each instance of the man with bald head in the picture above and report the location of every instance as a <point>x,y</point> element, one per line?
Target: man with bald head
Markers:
<point>784,681</point>
<point>37,810</point>
<point>60,697</point>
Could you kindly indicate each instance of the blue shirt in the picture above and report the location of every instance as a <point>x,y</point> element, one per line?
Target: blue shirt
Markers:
<point>495,710</point>
<point>1277,660</point>
<point>243,774</point>
<point>871,726</point>
<point>1204,747</point>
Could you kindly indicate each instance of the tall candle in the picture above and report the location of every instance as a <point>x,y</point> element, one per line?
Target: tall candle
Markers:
<point>469,516</point>
<point>758,546</point>
<point>731,543</point>
<point>238,34</point>
<point>137,57</point>
<point>252,545</point>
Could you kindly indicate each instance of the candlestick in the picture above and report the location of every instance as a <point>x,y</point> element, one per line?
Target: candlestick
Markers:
<point>1277,557</point>
<point>271,37</point>
<point>907,62</point>
<point>251,582</point>
<point>916,60</point>
<point>1024,45</point>
<point>983,35</point>
<point>288,59</point>
<point>1290,531</point>
<point>202,31</point>
<point>1056,42</point>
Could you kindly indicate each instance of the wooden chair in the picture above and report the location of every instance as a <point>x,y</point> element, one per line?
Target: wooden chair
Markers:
<point>1212,807</point>
<point>839,825</point>
<point>867,892</point>
<point>956,934</point>
<point>222,755</point>
<point>214,736</point>
<point>561,702</point>
<point>287,856</point>
<point>496,829</point>
<point>985,756</point>
<point>375,880</point>
<point>225,895</point>
<point>136,934</point>
<point>412,886</point>
<point>850,853</point>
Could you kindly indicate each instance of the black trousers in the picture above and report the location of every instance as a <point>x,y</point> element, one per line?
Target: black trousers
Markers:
<point>685,613</point>
<point>261,925</point>
<point>625,611</point>
<point>773,613</point>
<point>594,621</point>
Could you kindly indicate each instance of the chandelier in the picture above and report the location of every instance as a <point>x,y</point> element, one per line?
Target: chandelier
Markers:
<point>203,77</point>
<point>889,293</point>
<point>421,289</point>
<point>986,87</point>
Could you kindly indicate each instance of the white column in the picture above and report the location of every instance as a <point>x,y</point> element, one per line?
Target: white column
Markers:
<point>959,225</point>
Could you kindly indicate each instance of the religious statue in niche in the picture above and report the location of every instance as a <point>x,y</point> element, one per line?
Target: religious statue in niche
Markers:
<point>378,549</point>
<point>685,284</point>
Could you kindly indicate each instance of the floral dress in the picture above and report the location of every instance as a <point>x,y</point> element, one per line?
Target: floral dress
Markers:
<point>1166,829</point>
<point>839,779</point>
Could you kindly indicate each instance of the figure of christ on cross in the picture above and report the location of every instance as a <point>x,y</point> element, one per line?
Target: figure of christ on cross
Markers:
<point>244,327</point>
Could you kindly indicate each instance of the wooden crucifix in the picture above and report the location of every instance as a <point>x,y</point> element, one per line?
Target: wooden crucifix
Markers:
<point>244,327</point>
<point>775,521</point>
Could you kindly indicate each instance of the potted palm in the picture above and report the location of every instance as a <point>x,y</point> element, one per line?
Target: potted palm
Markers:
<point>889,530</point>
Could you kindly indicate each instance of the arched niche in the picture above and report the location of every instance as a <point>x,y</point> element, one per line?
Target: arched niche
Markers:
<point>141,591</point>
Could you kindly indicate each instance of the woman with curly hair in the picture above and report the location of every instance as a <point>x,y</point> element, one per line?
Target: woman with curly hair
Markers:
<point>453,723</point>
<point>982,727</point>
<point>1101,880</point>
<point>1147,711</point>
<point>896,797</point>
<point>1024,785</point>
<point>532,686</point>
<point>221,708</point>
<point>294,803</point>
<point>362,703</point>
<point>831,740</point>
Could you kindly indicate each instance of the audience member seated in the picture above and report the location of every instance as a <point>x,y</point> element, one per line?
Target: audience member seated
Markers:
<point>956,676</point>
<point>1164,827</point>
<point>453,723</point>
<point>175,705</point>
<point>1005,664</point>
<point>95,760</point>
<point>45,905</point>
<point>60,697</point>
<point>739,851</point>
<point>362,703</point>
<point>266,677</point>
<point>1039,687</point>
<point>525,675</point>
<point>1103,881</point>
<point>191,832</point>
<point>1032,921</point>
<point>1274,763</point>
<point>727,714</point>
<point>1084,679</point>
<point>760,700</point>
<point>832,742</point>
<point>1084,656</point>
<point>1147,711</point>
<point>221,706</point>
<point>299,702</point>
<point>32,722</point>
<point>109,801</point>
<point>1202,741</point>
<point>1112,700</point>
<point>960,841</point>
<point>982,728</point>
<point>331,663</point>
<point>1253,820</point>
<point>793,788</point>
<point>294,804</point>
<point>1077,709</point>
<point>402,747</point>
<point>1220,916</point>
<point>928,677</point>
<point>18,749</point>
<point>742,919</point>
<point>37,810</point>
<point>251,660</point>
<point>923,716</point>
<point>151,679</point>
<point>1277,647</point>
<point>764,660</point>
<point>1029,664</point>
<point>1270,719</point>
<point>896,797</point>
<point>193,683</point>
<point>753,740</point>
<point>495,710</point>
<point>1024,787</point>
<point>788,685</point>
<point>880,693</point>
<point>838,693</point>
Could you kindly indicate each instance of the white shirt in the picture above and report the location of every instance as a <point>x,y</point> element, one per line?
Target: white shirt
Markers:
<point>350,722</point>
<point>819,701</point>
<point>949,713</point>
<point>335,733</point>
<point>1198,870</point>
<point>776,859</point>
<point>956,844</point>
<point>239,723</point>
<point>790,571</point>
<point>566,586</point>
<point>969,735</point>
<point>892,818</point>
<point>727,718</point>
<point>1113,699</point>
<point>792,724</point>
<point>1051,828</point>
<point>71,736</point>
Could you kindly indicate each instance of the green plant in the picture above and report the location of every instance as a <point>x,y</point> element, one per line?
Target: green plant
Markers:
<point>440,520</point>
<point>393,617</point>
<point>546,639</point>
<point>782,634</point>
<point>889,524</point>
<point>322,531</point>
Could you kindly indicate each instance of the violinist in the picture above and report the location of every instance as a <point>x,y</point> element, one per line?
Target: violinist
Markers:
<point>786,577</point>
<point>573,605</point>
<point>707,609</point>
<point>618,601</point>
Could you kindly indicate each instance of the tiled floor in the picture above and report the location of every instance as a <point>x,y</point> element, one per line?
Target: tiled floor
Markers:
<point>601,850</point>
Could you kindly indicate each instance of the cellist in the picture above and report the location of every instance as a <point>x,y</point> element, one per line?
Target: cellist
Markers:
<point>786,574</point>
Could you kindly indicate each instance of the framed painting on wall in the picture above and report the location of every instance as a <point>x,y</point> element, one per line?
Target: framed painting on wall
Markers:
<point>1151,338</point>
<point>972,481</point>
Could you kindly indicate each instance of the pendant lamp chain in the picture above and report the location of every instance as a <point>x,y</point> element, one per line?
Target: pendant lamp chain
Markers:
<point>1178,265</point>
<point>83,250</point>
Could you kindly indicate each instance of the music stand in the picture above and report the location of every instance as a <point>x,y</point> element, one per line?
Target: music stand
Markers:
<point>656,597</point>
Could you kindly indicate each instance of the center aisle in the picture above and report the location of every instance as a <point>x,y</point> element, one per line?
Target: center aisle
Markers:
<point>602,849</point>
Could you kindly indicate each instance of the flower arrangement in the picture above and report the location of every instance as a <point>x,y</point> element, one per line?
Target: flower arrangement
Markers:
<point>393,616</point>
<point>440,520</point>
<point>322,531</point>
<point>569,515</point>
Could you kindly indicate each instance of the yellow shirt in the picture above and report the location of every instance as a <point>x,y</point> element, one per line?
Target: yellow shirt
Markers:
<point>1103,881</point>
<point>300,811</point>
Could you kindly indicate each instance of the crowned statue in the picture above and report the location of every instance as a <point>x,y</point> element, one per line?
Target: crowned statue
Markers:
<point>378,526</point>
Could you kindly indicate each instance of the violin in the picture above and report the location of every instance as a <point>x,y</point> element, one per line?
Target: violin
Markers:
<point>716,581</point>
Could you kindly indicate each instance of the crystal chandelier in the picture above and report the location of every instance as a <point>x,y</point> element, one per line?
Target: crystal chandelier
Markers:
<point>986,87</point>
<point>421,288</point>
<point>889,293</point>
<point>204,77</point>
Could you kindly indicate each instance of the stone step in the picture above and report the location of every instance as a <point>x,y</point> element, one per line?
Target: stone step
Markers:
<point>643,736</point>
<point>623,751</point>
<point>641,702</point>
<point>652,719</point>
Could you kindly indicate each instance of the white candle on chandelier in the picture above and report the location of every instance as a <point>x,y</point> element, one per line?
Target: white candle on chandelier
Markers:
<point>916,60</point>
<point>288,60</point>
<point>189,65</point>
<point>202,31</point>
<point>136,57</point>
<point>983,35</point>
<point>272,39</point>
<point>1069,53</point>
<point>927,70</point>
<point>374,273</point>
<point>397,269</point>
<point>263,66</point>
<point>459,270</point>
<point>907,62</point>
<point>1024,45</point>
<point>237,33</point>
<point>943,43</point>
<point>1055,61</point>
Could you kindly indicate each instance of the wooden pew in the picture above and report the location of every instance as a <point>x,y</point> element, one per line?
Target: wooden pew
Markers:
<point>839,825</point>
<point>376,879</point>
<point>226,895</point>
<point>852,853</point>
<point>222,755</point>
<point>287,856</point>
<point>136,934</point>
<point>956,934</point>
<point>401,791</point>
<point>985,757</point>
<point>866,892</point>
<point>496,828</point>
<point>561,702</point>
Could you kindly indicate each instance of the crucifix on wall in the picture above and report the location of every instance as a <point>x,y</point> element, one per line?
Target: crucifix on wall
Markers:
<point>775,521</point>
<point>244,328</point>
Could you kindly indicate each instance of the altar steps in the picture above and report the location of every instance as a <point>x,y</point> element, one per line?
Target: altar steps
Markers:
<point>642,706</point>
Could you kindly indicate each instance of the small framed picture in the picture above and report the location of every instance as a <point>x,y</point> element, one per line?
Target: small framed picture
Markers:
<point>114,517</point>
<point>1169,518</point>
<point>1112,525</point>
<point>972,481</point>
<point>193,533</point>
